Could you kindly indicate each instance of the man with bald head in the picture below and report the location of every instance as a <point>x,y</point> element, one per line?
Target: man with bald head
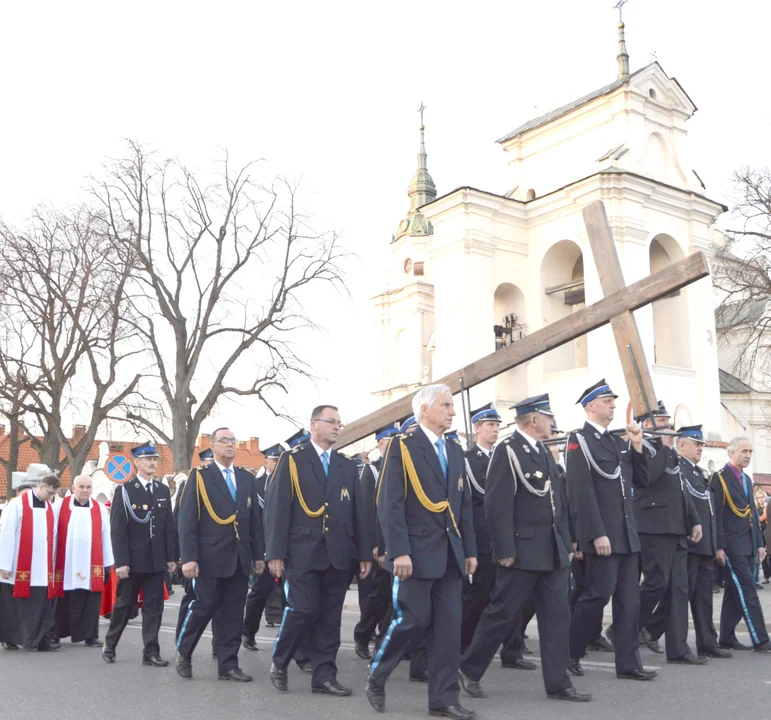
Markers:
<point>83,558</point>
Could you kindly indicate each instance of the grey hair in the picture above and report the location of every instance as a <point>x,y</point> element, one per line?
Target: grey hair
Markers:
<point>734,444</point>
<point>426,396</point>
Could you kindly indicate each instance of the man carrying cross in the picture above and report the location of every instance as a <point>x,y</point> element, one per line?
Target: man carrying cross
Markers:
<point>83,558</point>
<point>601,469</point>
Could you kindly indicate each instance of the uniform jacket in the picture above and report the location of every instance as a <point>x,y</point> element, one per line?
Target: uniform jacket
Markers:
<point>735,535</point>
<point>522,524</point>
<point>216,548</point>
<point>478,461</point>
<point>664,507</point>
<point>410,529</point>
<point>132,543</point>
<point>368,482</point>
<point>340,535</point>
<point>699,481</point>
<point>603,507</point>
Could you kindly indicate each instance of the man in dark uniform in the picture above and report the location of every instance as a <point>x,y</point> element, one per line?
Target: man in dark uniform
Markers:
<point>264,583</point>
<point>601,469</point>
<point>666,519</point>
<point>701,554</point>
<point>424,508</point>
<point>143,543</point>
<point>221,543</point>
<point>526,505</point>
<point>378,600</point>
<point>740,544</point>
<point>316,525</point>
<point>476,590</point>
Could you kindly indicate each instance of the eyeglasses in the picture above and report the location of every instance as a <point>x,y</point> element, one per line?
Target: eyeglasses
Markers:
<point>227,441</point>
<point>329,421</point>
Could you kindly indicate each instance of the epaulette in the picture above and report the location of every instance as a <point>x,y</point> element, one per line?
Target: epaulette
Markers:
<point>297,448</point>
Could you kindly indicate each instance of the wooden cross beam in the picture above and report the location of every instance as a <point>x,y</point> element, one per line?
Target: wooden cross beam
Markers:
<point>618,302</point>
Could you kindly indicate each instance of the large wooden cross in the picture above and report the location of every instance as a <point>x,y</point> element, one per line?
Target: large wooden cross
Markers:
<point>616,308</point>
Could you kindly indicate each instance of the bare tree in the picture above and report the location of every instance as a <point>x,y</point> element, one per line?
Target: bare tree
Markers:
<point>225,268</point>
<point>67,339</point>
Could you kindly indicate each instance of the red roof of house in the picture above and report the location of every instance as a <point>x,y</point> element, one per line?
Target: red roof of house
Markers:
<point>248,455</point>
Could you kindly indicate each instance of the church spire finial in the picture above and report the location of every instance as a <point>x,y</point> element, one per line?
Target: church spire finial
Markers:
<point>622,57</point>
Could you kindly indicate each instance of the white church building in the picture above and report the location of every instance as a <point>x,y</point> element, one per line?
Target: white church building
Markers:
<point>474,270</point>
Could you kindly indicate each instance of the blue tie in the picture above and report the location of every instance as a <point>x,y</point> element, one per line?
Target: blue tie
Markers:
<point>231,484</point>
<point>442,457</point>
<point>325,462</point>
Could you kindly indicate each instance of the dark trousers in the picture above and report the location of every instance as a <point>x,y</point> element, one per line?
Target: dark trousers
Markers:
<point>476,597</point>
<point>312,618</point>
<point>256,600</point>
<point>514,645</point>
<point>375,607</point>
<point>617,576</point>
<point>664,591</point>
<point>206,596</point>
<point>578,570</point>
<point>700,597</point>
<point>184,604</point>
<point>127,594</point>
<point>430,609</point>
<point>740,601</point>
<point>513,590</point>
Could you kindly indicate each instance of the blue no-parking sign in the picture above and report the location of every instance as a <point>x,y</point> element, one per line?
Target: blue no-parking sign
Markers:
<point>119,468</point>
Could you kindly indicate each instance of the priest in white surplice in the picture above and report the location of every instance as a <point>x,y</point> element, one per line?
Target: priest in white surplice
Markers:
<point>83,558</point>
<point>27,546</point>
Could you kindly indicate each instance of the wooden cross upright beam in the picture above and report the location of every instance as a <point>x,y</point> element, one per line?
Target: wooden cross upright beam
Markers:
<point>618,302</point>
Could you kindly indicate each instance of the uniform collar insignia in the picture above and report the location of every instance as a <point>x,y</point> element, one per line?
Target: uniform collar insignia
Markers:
<point>526,448</point>
<point>136,483</point>
<point>597,436</point>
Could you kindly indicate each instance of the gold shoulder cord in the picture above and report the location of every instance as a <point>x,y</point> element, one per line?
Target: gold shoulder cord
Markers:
<point>745,512</point>
<point>202,494</point>
<point>382,472</point>
<point>411,473</point>
<point>295,480</point>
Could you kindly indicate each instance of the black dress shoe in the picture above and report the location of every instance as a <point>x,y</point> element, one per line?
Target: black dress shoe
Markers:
<point>472,687</point>
<point>278,678</point>
<point>637,674</point>
<point>47,645</point>
<point>362,651</point>
<point>650,642</point>
<point>526,650</point>
<point>570,693</point>
<point>306,666</point>
<point>519,664</point>
<point>689,659</point>
<point>184,667</point>
<point>456,712</point>
<point>763,647</point>
<point>108,655</point>
<point>270,624</point>
<point>155,661</point>
<point>236,675</point>
<point>574,667</point>
<point>249,643</point>
<point>375,694</point>
<point>10,646</point>
<point>717,653</point>
<point>600,644</point>
<point>332,687</point>
<point>93,642</point>
<point>420,676</point>
<point>759,586</point>
<point>735,646</point>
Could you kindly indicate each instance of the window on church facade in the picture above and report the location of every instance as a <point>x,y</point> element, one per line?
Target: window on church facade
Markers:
<point>671,336</point>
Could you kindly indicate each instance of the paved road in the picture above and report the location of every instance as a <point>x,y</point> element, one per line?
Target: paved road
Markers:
<point>74,684</point>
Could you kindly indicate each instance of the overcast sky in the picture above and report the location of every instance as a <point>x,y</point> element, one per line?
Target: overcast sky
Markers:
<point>328,92</point>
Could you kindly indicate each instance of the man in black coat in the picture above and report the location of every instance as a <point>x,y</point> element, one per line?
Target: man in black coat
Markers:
<point>378,600</point>
<point>601,470</point>
<point>424,508</point>
<point>666,519</point>
<point>739,545</point>
<point>264,583</point>
<point>476,590</point>
<point>701,554</point>
<point>316,527</point>
<point>144,545</point>
<point>221,543</point>
<point>526,507</point>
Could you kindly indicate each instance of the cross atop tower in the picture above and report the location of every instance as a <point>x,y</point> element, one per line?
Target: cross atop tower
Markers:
<point>620,7</point>
<point>423,107</point>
